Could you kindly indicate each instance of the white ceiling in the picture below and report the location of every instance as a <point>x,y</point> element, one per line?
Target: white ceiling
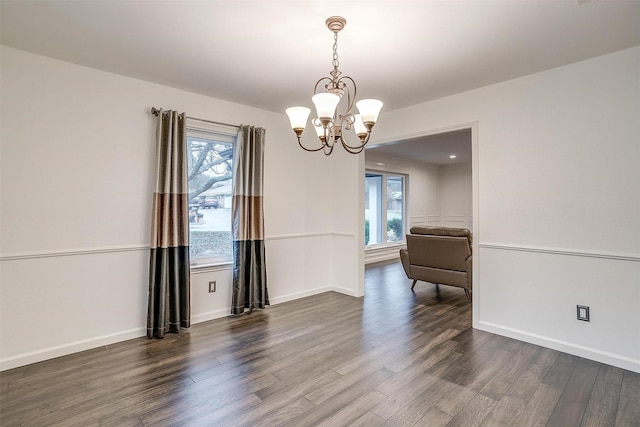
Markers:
<point>435,149</point>
<point>269,54</point>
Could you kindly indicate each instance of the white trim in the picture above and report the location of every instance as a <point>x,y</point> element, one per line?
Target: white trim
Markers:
<point>344,291</point>
<point>69,348</point>
<point>73,252</point>
<point>342,234</point>
<point>475,220</point>
<point>433,219</point>
<point>455,218</point>
<point>417,221</point>
<point>358,218</point>
<point>306,235</point>
<point>132,248</point>
<point>310,292</point>
<point>475,190</point>
<point>210,315</point>
<point>382,257</point>
<point>428,132</point>
<point>561,251</point>
<point>385,252</point>
<point>224,312</point>
<point>103,340</point>
<point>210,268</point>
<point>385,246</point>
<point>566,347</point>
<point>209,127</point>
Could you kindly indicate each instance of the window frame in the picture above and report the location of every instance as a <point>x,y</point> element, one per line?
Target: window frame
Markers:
<point>224,134</point>
<point>385,174</point>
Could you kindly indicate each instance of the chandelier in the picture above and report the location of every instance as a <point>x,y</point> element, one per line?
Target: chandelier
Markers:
<point>330,124</point>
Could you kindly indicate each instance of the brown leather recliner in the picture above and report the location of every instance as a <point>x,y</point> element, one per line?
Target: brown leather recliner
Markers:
<point>439,255</point>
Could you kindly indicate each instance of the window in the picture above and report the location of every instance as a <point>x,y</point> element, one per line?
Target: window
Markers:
<point>384,196</point>
<point>210,169</point>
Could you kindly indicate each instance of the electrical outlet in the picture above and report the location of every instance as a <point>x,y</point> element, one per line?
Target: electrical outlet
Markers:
<point>583,312</point>
<point>212,286</point>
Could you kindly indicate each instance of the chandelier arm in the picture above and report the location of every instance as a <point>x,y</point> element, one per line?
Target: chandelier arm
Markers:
<point>315,88</point>
<point>311,149</point>
<point>349,119</point>
<point>357,148</point>
<point>353,150</point>
<point>350,100</point>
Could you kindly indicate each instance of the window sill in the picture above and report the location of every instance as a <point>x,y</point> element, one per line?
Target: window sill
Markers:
<point>218,266</point>
<point>385,246</point>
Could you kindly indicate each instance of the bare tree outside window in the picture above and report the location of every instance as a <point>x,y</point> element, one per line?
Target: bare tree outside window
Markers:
<point>210,163</point>
<point>210,178</point>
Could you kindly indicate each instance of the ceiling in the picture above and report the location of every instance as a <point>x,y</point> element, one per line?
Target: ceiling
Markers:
<point>269,54</point>
<point>435,149</point>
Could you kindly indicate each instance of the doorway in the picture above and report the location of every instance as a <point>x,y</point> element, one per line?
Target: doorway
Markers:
<point>441,170</point>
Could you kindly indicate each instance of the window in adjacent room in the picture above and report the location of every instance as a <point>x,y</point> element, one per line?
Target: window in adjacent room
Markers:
<point>384,208</point>
<point>210,160</point>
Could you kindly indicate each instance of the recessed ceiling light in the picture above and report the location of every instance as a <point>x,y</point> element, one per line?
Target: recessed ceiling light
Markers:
<point>453,156</point>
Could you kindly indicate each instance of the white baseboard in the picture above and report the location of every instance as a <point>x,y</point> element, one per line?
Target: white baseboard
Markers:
<point>309,292</point>
<point>345,291</point>
<point>217,314</point>
<point>382,258</point>
<point>210,315</point>
<point>73,347</point>
<point>566,347</point>
<point>384,253</point>
<point>94,342</point>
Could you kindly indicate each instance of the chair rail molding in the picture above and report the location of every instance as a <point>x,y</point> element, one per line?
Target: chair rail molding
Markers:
<point>72,252</point>
<point>561,251</point>
<point>307,235</point>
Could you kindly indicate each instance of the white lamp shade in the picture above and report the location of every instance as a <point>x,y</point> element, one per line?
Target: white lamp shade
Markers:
<point>369,109</point>
<point>325,104</point>
<point>298,117</point>
<point>358,125</point>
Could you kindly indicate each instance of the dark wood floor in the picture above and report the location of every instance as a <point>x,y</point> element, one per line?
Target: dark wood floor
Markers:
<point>392,358</point>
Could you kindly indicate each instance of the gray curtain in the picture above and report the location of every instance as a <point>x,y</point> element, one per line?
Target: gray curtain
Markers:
<point>249,270</point>
<point>169,283</point>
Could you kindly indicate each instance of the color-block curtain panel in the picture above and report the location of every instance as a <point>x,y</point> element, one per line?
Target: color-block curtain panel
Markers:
<point>249,270</point>
<point>169,283</point>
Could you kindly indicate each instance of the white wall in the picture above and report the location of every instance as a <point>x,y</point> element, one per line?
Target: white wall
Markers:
<point>77,173</point>
<point>558,203</point>
<point>456,198</point>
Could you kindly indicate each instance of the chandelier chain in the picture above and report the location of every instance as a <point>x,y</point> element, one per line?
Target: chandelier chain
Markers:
<point>335,51</point>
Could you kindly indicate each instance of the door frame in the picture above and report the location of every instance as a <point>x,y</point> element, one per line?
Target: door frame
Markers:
<point>475,190</point>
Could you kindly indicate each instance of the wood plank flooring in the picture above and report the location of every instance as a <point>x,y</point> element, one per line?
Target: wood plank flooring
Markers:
<point>395,357</point>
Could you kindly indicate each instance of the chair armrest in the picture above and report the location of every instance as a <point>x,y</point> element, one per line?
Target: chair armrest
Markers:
<point>404,257</point>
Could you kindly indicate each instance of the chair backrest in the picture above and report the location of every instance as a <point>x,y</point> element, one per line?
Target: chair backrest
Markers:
<point>436,249</point>
<point>443,231</point>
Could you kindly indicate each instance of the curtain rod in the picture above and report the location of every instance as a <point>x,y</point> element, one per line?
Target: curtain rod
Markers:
<point>155,111</point>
